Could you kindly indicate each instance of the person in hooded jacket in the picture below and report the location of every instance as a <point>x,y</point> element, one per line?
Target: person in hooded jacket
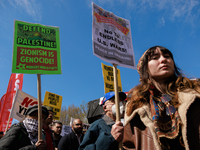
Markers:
<point>24,135</point>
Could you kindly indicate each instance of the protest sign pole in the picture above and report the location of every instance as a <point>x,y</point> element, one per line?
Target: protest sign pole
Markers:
<point>7,124</point>
<point>116,92</point>
<point>39,107</point>
<point>116,98</point>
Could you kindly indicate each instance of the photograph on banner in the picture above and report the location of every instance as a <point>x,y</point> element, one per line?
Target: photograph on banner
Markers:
<point>20,104</point>
<point>54,101</point>
<point>36,49</point>
<point>66,130</point>
<point>109,78</point>
<point>111,37</point>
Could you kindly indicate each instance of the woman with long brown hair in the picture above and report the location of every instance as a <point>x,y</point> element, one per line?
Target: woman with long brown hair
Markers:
<point>163,111</point>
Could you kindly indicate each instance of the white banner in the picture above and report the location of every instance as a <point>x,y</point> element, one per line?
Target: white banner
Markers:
<point>20,104</point>
<point>66,130</point>
<point>111,37</point>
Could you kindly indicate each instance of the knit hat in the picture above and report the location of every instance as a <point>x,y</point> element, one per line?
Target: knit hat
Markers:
<point>34,108</point>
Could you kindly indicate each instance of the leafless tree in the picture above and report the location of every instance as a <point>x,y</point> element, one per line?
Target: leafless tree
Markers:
<point>74,112</point>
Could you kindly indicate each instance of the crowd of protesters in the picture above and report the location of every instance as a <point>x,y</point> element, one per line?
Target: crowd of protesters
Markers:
<point>160,113</point>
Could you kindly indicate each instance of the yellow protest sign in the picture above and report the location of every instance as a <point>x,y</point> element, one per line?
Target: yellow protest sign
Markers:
<point>109,79</point>
<point>55,101</point>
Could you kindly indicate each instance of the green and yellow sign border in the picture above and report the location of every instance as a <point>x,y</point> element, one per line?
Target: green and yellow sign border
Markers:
<point>36,49</point>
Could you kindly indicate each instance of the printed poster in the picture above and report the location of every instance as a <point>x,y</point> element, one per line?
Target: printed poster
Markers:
<point>66,130</point>
<point>109,78</point>
<point>54,101</point>
<point>36,49</point>
<point>111,37</point>
<point>21,103</point>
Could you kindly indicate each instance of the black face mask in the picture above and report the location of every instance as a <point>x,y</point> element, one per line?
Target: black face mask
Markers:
<point>78,130</point>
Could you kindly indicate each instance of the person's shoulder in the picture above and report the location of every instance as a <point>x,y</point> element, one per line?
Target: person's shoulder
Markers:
<point>98,124</point>
<point>17,126</point>
<point>98,121</point>
<point>15,129</point>
<point>63,142</point>
<point>188,95</point>
<point>66,136</point>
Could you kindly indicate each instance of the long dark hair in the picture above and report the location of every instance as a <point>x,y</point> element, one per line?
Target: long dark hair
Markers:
<point>140,94</point>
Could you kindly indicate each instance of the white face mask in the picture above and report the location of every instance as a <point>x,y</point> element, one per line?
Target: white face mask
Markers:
<point>121,109</point>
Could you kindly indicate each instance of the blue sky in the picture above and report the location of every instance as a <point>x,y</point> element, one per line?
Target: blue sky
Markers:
<point>172,24</point>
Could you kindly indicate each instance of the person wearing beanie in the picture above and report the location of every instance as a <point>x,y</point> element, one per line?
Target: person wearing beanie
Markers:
<point>24,135</point>
<point>105,133</point>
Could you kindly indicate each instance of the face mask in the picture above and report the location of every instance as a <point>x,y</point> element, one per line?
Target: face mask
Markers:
<point>31,126</point>
<point>121,109</point>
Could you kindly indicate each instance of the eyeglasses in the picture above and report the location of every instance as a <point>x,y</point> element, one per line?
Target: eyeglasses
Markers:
<point>170,109</point>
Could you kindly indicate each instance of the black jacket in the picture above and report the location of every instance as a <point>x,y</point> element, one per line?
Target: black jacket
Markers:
<point>69,142</point>
<point>56,141</point>
<point>16,138</point>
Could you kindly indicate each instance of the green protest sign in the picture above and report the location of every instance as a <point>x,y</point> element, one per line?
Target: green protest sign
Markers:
<point>36,49</point>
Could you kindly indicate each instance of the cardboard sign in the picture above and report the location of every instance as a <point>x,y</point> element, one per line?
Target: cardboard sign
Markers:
<point>109,78</point>
<point>36,49</point>
<point>21,103</point>
<point>111,36</point>
<point>54,101</point>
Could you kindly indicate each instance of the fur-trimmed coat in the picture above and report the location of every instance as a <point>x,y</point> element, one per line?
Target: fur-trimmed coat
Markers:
<point>139,132</point>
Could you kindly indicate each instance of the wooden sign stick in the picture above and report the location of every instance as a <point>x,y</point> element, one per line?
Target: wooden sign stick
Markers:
<point>116,98</point>
<point>39,107</point>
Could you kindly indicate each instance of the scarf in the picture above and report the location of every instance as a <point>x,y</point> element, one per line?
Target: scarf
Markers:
<point>31,126</point>
<point>166,124</point>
